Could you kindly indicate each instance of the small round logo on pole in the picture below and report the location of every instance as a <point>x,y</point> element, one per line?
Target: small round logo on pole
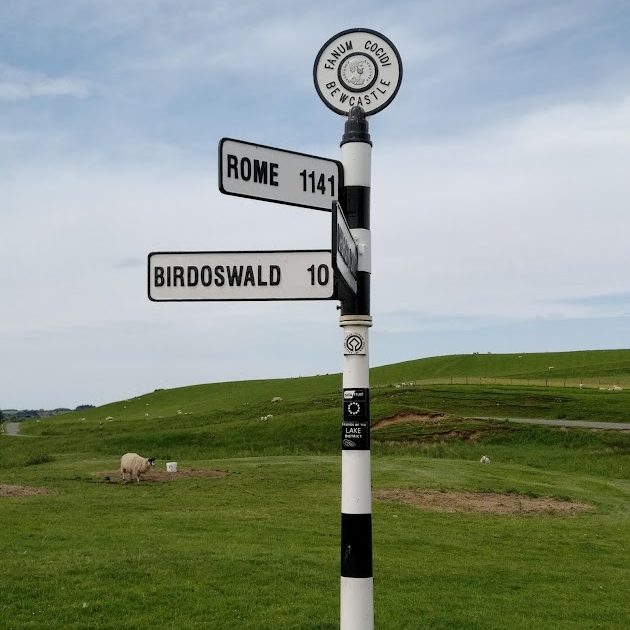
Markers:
<point>357,67</point>
<point>354,343</point>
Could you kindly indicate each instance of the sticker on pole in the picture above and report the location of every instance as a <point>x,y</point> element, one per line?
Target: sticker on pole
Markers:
<point>356,420</point>
<point>354,343</point>
<point>357,67</point>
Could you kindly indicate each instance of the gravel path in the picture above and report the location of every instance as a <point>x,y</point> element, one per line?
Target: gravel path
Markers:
<point>576,424</point>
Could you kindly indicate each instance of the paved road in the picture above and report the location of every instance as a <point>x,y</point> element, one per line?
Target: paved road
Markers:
<point>576,424</point>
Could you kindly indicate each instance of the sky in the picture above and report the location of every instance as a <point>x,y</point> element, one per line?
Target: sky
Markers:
<point>500,209</point>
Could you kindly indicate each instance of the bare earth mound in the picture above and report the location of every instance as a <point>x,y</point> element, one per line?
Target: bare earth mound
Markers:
<point>22,491</point>
<point>484,502</point>
<point>425,418</point>
<point>160,476</point>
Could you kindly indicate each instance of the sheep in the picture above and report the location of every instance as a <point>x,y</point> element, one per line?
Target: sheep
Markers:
<point>135,465</point>
<point>484,460</point>
<point>276,399</point>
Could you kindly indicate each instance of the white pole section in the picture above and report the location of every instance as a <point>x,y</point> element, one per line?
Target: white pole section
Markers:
<point>357,602</point>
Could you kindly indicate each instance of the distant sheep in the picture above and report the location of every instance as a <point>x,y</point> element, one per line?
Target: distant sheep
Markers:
<point>484,460</point>
<point>135,465</point>
<point>276,399</point>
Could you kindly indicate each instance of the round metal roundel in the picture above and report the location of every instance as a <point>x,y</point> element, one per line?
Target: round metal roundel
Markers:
<point>357,67</point>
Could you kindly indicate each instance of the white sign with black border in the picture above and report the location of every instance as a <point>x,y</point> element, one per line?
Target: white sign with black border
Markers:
<point>345,250</point>
<point>248,276</point>
<point>357,67</point>
<point>269,174</point>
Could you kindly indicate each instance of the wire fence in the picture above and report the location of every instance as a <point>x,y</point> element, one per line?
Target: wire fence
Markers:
<point>603,383</point>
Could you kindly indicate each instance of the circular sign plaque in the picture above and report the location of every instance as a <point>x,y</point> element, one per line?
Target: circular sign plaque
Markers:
<point>357,67</point>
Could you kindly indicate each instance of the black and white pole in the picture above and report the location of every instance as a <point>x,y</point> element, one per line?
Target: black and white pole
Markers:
<point>357,73</point>
<point>357,607</point>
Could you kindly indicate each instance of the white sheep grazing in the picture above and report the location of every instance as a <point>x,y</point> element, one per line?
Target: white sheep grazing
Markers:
<point>484,460</point>
<point>135,465</point>
<point>276,399</point>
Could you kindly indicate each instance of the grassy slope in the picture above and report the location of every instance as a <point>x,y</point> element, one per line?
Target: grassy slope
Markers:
<point>259,547</point>
<point>590,364</point>
<point>223,419</point>
<point>255,396</point>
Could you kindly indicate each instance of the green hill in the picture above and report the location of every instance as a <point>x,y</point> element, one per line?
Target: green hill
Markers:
<point>240,419</point>
<point>254,506</point>
<point>589,365</point>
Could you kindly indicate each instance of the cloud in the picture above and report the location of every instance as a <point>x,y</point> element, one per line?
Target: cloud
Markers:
<point>602,305</point>
<point>21,85</point>
<point>499,185</point>
<point>508,221</point>
<point>130,263</point>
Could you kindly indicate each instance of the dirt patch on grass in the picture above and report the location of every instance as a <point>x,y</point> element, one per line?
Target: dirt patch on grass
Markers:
<point>423,418</point>
<point>440,427</point>
<point>19,492</point>
<point>483,502</point>
<point>161,476</point>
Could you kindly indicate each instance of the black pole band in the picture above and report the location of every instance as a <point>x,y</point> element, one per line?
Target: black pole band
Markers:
<point>356,545</point>
<point>355,201</point>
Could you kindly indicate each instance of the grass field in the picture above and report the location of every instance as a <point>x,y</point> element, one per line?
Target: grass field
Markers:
<point>248,535</point>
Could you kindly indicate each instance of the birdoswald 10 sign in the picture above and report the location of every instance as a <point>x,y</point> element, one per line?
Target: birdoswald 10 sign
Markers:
<point>357,67</point>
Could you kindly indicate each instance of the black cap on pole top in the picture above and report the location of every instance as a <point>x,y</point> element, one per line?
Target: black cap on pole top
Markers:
<point>356,127</point>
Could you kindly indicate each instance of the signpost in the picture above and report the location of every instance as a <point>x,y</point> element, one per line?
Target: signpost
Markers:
<point>260,172</point>
<point>247,276</point>
<point>357,72</point>
<point>345,250</point>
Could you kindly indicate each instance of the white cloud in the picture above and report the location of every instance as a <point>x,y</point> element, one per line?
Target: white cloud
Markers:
<point>508,221</point>
<point>530,26</point>
<point>512,217</point>
<point>21,85</point>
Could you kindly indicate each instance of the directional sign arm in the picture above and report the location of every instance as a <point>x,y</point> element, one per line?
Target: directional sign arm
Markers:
<point>270,174</point>
<point>345,250</point>
<point>241,276</point>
